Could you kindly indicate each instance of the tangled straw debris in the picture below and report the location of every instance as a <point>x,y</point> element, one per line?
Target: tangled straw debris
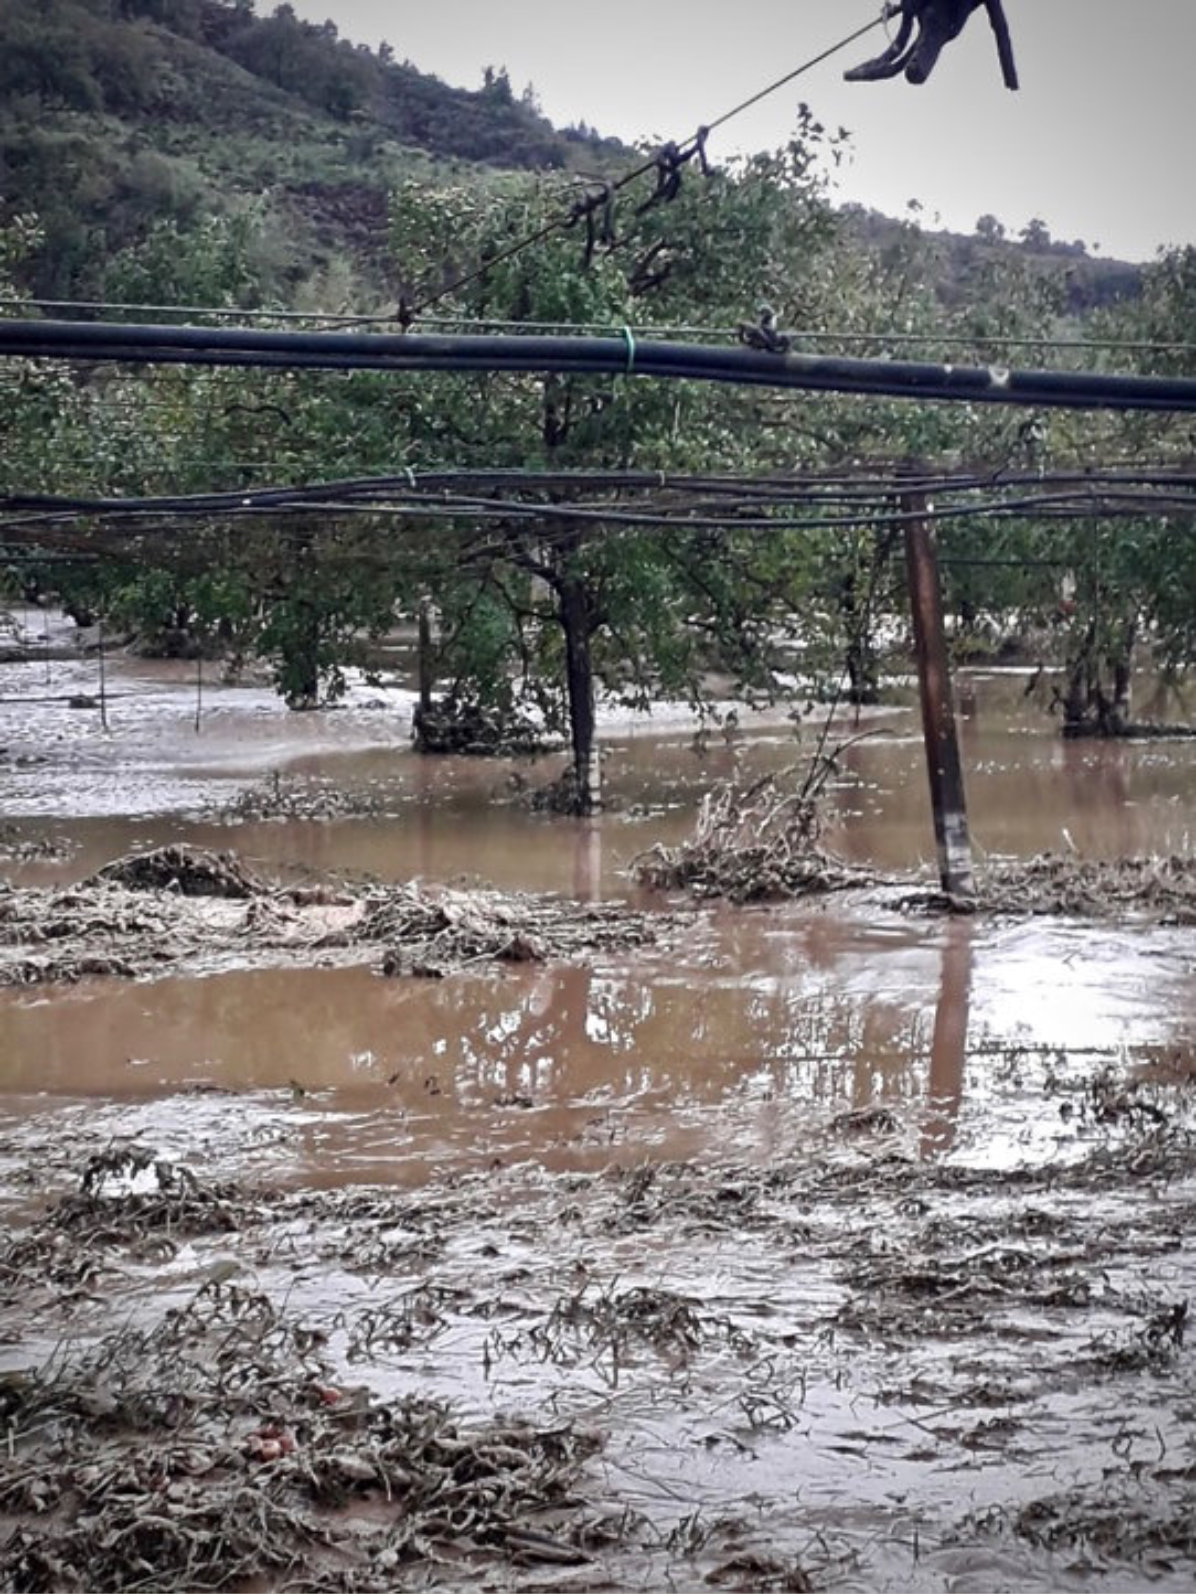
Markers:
<point>430,932</point>
<point>304,799</point>
<point>270,1410</point>
<point>216,1446</point>
<point>1162,888</point>
<point>16,847</point>
<point>180,904</point>
<point>754,841</point>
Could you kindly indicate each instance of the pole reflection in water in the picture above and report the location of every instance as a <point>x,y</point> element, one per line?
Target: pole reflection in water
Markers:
<point>949,1044</point>
<point>587,860</point>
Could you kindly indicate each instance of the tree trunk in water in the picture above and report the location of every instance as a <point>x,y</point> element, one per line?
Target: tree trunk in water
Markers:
<point>1123,674</point>
<point>427,677</point>
<point>1090,710</point>
<point>579,677</point>
<point>863,675</point>
<point>304,663</point>
<point>1075,702</point>
<point>1078,699</point>
<point>863,671</point>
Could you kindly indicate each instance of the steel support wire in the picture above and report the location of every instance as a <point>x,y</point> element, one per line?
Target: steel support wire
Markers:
<point>344,351</point>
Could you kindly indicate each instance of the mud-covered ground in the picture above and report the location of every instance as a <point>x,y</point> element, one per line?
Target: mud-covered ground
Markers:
<point>186,910</point>
<point>182,909</point>
<point>831,1244</point>
<point>843,1367</point>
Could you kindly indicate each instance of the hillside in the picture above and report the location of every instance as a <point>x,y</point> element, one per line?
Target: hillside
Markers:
<point>956,260</point>
<point>116,115</point>
<point>113,118</point>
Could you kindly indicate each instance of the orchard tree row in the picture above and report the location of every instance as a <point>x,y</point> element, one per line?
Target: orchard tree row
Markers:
<point>549,610</point>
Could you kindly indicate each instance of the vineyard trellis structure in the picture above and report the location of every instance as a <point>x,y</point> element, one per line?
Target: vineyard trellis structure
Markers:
<point>907,496</point>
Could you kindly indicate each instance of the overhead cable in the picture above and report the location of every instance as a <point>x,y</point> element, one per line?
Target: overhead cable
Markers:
<point>642,331</point>
<point>670,156</point>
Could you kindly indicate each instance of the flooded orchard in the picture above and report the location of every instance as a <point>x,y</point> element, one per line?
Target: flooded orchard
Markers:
<point>830,1244</point>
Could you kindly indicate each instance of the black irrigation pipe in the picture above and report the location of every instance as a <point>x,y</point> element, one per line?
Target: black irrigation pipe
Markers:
<point>241,346</point>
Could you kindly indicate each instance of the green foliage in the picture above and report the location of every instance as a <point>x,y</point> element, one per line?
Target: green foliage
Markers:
<point>632,610</point>
<point>213,262</point>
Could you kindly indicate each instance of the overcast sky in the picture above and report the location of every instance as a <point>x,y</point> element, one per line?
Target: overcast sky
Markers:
<point>1099,141</point>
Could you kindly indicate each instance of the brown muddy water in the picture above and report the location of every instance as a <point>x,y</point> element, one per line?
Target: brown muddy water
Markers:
<point>851,1249</point>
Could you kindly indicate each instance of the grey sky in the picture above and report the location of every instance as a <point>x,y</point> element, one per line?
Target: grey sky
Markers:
<point>1099,142</point>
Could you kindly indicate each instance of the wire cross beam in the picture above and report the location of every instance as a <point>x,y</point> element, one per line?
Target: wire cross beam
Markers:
<point>846,486</point>
<point>344,351</point>
<point>112,533</point>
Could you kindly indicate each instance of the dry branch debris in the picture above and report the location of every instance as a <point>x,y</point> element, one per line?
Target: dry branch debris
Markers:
<point>217,1446</point>
<point>305,799</point>
<point>1053,883</point>
<point>752,842</point>
<point>432,932</point>
<point>271,1418</point>
<point>183,905</point>
<point>760,841</point>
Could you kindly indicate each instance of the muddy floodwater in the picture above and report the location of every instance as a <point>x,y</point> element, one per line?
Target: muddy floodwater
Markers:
<point>808,1246</point>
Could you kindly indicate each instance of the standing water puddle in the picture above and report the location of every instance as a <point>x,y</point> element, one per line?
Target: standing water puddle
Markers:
<point>781,1018</point>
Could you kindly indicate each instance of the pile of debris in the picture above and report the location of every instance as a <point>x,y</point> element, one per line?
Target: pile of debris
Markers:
<point>753,842</point>
<point>1161,889</point>
<point>186,871</point>
<point>432,932</point>
<point>291,798</point>
<point>463,725</point>
<point>16,847</point>
<point>1153,890</point>
<point>177,906</point>
<point>218,1446</point>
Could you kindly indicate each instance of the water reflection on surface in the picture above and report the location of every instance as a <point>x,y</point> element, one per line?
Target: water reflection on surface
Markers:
<point>769,1021</point>
<point>766,1020</point>
<point>448,818</point>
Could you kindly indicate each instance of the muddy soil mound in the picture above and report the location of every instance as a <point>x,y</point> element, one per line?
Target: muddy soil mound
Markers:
<point>187,871</point>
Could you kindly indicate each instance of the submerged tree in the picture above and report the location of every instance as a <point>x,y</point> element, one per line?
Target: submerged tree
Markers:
<point>601,600</point>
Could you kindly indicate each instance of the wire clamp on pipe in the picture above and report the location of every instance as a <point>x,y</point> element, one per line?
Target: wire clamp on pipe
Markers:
<point>629,339</point>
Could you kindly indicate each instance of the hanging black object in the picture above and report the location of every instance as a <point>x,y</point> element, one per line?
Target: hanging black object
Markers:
<point>926,26</point>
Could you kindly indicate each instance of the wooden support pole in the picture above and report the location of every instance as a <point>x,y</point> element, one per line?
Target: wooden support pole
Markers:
<point>938,710</point>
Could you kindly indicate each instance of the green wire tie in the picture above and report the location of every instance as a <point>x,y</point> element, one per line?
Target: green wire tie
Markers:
<point>629,337</point>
